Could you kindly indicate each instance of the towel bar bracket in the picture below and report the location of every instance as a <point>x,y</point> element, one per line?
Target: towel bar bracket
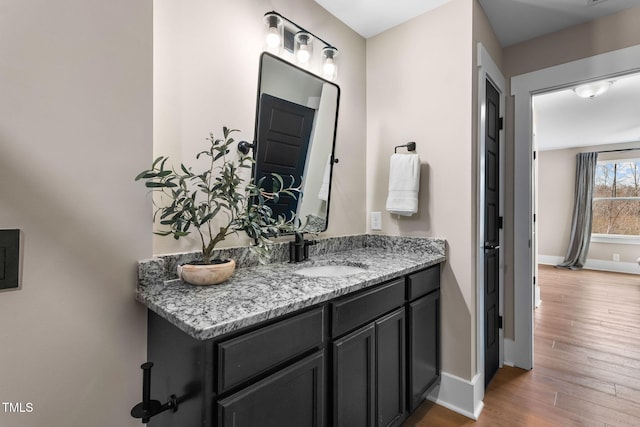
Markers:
<point>411,146</point>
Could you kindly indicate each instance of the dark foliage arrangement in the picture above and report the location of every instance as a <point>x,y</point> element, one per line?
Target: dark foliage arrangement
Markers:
<point>192,201</point>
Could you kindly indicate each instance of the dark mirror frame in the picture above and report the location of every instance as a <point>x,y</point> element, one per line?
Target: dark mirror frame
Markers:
<point>332,160</point>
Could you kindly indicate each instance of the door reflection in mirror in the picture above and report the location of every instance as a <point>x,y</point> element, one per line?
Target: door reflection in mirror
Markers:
<point>296,118</point>
<point>284,130</point>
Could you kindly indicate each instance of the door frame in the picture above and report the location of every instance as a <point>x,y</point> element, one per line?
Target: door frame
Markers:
<point>487,70</point>
<point>618,62</point>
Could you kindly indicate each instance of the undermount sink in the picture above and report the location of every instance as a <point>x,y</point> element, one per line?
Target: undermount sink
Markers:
<point>330,270</point>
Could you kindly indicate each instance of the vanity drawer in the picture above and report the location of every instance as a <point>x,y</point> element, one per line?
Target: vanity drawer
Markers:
<point>245,356</point>
<point>423,282</point>
<point>353,311</point>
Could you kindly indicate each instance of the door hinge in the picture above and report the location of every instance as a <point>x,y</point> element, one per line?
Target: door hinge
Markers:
<point>501,123</point>
<point>534,217</point>
<point>500,322</point>
<point>535,155</point>
<point>500,222</point>
<point>534,280</point>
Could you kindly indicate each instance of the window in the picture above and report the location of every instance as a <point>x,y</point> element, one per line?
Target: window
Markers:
<point>616,200</point>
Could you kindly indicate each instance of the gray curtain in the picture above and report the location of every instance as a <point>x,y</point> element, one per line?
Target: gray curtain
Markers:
<point>582,212</point>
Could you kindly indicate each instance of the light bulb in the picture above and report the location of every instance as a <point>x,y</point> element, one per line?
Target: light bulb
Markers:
<point>329,68</point>
<point>304,45</point>
<point>273,38</point>
<point>303,54</point>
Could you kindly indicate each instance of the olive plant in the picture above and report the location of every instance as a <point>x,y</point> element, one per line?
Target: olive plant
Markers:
<point>191,201</point>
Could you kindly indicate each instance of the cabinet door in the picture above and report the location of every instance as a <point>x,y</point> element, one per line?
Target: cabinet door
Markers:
<point>390,369</point>
<point>424,346</point>
<point>292,397</point>
<point>353,381</point>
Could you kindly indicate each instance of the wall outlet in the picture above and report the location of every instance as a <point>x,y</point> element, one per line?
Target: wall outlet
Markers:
<point>376,220</point>
<point>616,257</point>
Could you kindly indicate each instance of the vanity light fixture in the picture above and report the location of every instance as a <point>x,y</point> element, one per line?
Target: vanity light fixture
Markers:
<point>284,33</point>
<point>328,62</point>
<point>591,90</point>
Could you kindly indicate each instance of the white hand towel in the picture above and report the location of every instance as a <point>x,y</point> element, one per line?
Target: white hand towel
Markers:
<point>404,184</point>
<point>323,194</point>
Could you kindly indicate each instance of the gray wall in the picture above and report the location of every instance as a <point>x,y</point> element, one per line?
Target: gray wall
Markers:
<point>75,128</point>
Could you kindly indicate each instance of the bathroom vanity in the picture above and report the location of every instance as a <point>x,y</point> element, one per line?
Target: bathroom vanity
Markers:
<point>274,347</point>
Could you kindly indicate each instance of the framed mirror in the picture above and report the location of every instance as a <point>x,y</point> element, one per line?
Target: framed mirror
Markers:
<point>295,131</point>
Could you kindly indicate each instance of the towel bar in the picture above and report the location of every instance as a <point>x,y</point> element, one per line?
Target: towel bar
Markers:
<point>411,146</point>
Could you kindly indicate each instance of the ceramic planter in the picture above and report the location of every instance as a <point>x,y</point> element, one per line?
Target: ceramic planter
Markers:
<point>206,274</point>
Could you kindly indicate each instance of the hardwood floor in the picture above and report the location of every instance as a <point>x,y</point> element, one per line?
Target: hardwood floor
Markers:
<point>586,360</point>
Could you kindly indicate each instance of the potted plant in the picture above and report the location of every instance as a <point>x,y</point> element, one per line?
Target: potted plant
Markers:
<point>191,201</point>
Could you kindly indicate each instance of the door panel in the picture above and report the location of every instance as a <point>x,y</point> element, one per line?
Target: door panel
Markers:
<point>491,233</point>
<point>293,397</point>
<point>390,369</point>
<point>424,346</point>
<point>284,132</point>
<point>354,378</point>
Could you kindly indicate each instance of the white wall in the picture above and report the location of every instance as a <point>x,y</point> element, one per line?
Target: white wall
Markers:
<point>75,128</point>
<point>206,58</point>
<point>76,116</point>
<point>419,88</point>
<point>603,35</point>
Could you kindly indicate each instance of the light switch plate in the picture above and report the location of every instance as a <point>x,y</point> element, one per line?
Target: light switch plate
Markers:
<point>9,258</point>
<point>376,221</point>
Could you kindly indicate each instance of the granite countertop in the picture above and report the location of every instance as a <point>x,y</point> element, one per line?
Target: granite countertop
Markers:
<point>260,292</point>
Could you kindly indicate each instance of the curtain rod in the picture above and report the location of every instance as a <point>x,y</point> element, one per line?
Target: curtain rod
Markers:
<point>621,149</point>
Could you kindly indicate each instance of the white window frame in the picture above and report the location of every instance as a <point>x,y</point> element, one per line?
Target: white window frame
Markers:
<point>622,239</point>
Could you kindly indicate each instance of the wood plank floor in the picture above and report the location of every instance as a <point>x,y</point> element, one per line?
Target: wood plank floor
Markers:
<point>586,360</point>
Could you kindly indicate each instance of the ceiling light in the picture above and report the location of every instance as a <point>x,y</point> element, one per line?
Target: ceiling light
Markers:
<point>591,90</point>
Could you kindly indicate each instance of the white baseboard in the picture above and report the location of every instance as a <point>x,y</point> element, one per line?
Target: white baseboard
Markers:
<point>460,395</point>
<point>550,259</point>
<point>595,264</point>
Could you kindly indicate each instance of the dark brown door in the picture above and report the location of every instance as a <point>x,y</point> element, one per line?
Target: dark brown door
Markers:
<point>284,132</point>
<point>491,233</point>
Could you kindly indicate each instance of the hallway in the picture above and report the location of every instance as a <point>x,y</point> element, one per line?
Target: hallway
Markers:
<point>587,360</point>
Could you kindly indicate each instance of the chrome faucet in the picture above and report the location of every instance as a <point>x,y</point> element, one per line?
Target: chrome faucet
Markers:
<point>299,248</point>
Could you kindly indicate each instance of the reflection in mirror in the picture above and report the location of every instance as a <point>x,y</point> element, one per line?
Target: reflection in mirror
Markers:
<point>296,118</point>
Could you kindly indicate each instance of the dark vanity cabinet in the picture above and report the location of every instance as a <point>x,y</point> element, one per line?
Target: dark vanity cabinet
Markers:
<point>291,396</point>
<point>273,374</point>
<point>423,327</point>
<point>364,359</point>
<point>369,362</point>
